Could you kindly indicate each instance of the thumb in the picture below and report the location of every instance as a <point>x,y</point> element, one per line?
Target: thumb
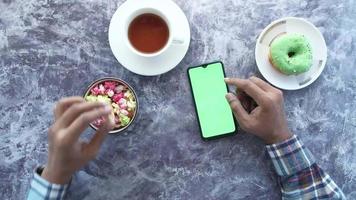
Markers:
<point>100,134</point>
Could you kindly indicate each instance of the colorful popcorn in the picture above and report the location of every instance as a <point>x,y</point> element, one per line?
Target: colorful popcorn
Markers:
<point>101,89</point>
<point>119,96</point>
<point>119,89</point>
<point>110,92</point>
<point>110,85</point>
<point>116,98</point>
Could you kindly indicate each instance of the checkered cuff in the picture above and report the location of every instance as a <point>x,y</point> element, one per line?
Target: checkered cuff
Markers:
<point>42,189</point>
<point>290,156</point>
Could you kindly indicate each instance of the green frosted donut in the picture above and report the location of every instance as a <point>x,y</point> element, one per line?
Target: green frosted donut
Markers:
<point>291,54</point>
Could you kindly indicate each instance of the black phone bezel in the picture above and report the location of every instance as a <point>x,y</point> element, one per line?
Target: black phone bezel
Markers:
<point>195,106</point>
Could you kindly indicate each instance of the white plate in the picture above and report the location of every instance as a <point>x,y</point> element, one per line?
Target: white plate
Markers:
<point>291,25</point>
<point>148,66</point>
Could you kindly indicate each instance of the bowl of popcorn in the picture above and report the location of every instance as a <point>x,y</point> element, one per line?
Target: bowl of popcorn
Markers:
<point>120,96</point>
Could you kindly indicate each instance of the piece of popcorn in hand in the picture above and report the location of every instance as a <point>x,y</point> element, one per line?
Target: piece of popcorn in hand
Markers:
<point>98,122</point>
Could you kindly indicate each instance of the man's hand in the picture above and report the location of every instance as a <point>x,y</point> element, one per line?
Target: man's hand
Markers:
<point>267,120</point>
<point>67,153</point>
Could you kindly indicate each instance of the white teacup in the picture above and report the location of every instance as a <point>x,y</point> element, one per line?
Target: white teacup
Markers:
<point>173,39</point>
<point>162,57</point>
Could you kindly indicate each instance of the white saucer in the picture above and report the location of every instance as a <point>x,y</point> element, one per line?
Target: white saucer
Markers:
<point>291,25</point>
<point>148,66</point>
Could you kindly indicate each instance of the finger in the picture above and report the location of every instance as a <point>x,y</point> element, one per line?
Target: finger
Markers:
<point>262,84</point>
<point>246,101</point>
<point>230,81</point>
<point>237,108</point>
<point>64,104</point>
<point>84,119</point>
<point>76,110</point>
<point>100,135</point>
<point>249,88</point>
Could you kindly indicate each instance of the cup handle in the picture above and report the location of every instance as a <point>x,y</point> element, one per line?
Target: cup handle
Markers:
<point>178,41</point>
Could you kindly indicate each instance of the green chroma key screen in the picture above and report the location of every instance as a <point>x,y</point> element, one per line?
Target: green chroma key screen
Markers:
<point>209,90</point>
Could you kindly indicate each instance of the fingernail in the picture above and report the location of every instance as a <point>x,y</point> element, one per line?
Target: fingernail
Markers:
<point>229,97</point>
<point>226,79</point>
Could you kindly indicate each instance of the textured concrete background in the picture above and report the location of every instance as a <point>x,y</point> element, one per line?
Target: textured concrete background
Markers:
<point>51,48</point>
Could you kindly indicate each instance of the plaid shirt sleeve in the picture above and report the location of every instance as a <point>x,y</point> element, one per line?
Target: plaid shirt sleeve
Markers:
<point>41,189</point>
<point>299,176</point>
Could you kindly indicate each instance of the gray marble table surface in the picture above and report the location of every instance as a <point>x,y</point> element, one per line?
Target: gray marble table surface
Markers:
<point>51,48</point>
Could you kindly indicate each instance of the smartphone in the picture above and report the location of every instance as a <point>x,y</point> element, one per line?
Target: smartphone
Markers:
<point>214,114</point>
